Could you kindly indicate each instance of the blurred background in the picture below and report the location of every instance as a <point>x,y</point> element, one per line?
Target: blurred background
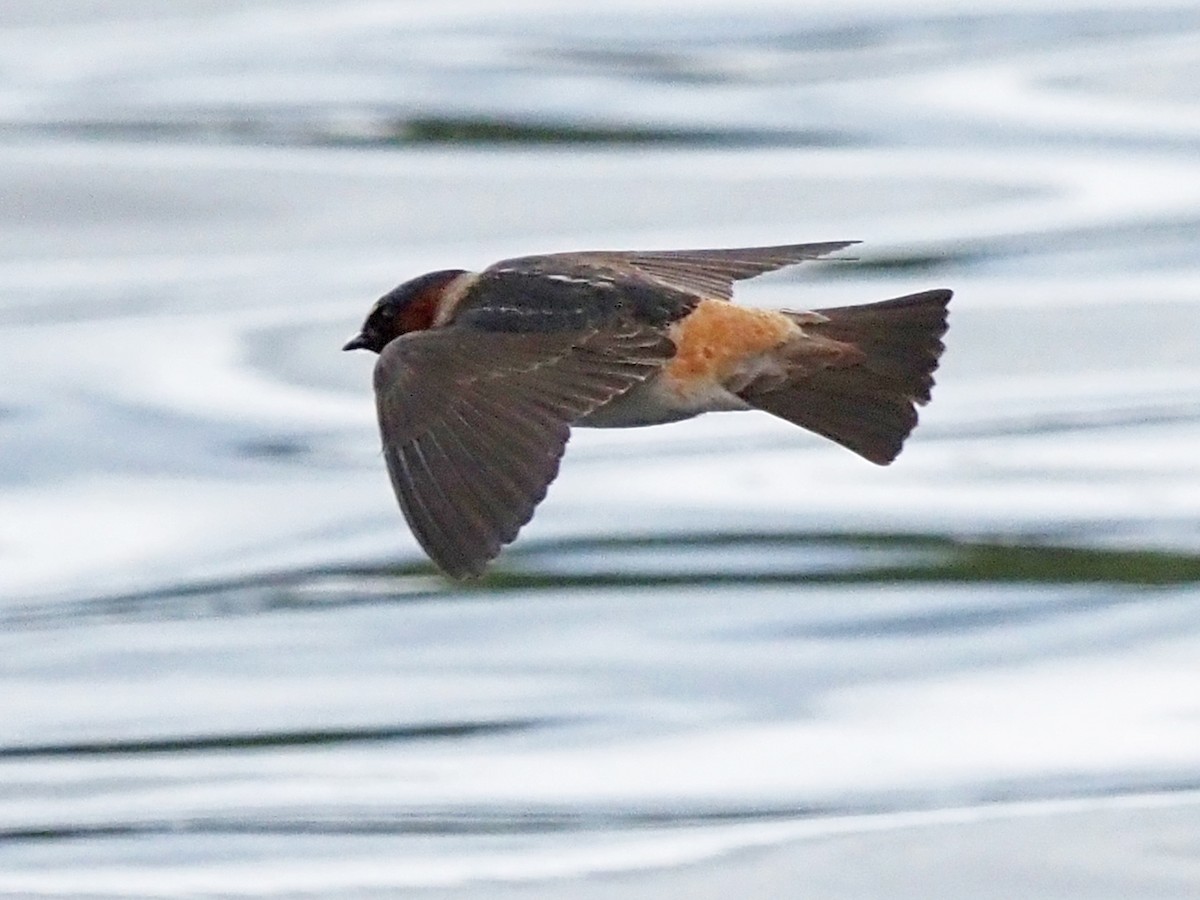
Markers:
<point>727,658</point>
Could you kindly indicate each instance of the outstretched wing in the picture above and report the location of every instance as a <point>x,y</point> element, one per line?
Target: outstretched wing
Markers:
<point>707,273</point>
<point>474,424</point>
<point>600,288</point>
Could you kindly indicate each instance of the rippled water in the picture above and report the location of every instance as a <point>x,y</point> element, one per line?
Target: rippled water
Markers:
<point>726,658</point>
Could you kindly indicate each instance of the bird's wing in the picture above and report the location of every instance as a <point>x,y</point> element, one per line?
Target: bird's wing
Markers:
<point>474,424</point>
<point>705,273</point>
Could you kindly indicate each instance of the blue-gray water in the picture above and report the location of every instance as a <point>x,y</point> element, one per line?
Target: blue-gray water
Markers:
<point>726,658</point>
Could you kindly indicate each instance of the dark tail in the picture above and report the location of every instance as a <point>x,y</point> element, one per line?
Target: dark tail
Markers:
<point>865,403</point>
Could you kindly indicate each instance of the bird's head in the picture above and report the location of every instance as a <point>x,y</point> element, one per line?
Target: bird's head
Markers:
<point>411,306</point>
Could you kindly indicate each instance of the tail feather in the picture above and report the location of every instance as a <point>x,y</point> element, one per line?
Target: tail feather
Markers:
<point>866,403</point>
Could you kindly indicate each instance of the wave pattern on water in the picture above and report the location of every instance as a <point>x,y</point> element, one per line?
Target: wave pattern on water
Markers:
<point>725,658</point>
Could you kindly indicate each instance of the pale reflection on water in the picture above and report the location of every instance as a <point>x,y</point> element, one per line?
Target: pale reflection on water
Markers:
<point>725,656</point>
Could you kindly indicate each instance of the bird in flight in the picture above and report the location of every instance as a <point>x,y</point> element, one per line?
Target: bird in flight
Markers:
<point>482,375</point>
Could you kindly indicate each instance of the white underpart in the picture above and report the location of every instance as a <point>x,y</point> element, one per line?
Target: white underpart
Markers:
<point>661,399</point>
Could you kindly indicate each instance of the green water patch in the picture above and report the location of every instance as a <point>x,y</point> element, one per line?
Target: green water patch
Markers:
<point>497,130</point>
<point>663,561</point>
<point>840,559</point>
<point>900,263</point>
<point>375,130</point>
<point>207,743</point>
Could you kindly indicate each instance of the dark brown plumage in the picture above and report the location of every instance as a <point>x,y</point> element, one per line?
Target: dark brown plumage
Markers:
<point>481,376</point>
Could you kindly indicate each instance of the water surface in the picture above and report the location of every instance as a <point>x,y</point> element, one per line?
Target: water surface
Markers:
<point>725,656</point>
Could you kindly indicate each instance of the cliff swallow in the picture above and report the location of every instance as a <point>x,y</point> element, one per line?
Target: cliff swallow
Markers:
<point>482,375</point>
